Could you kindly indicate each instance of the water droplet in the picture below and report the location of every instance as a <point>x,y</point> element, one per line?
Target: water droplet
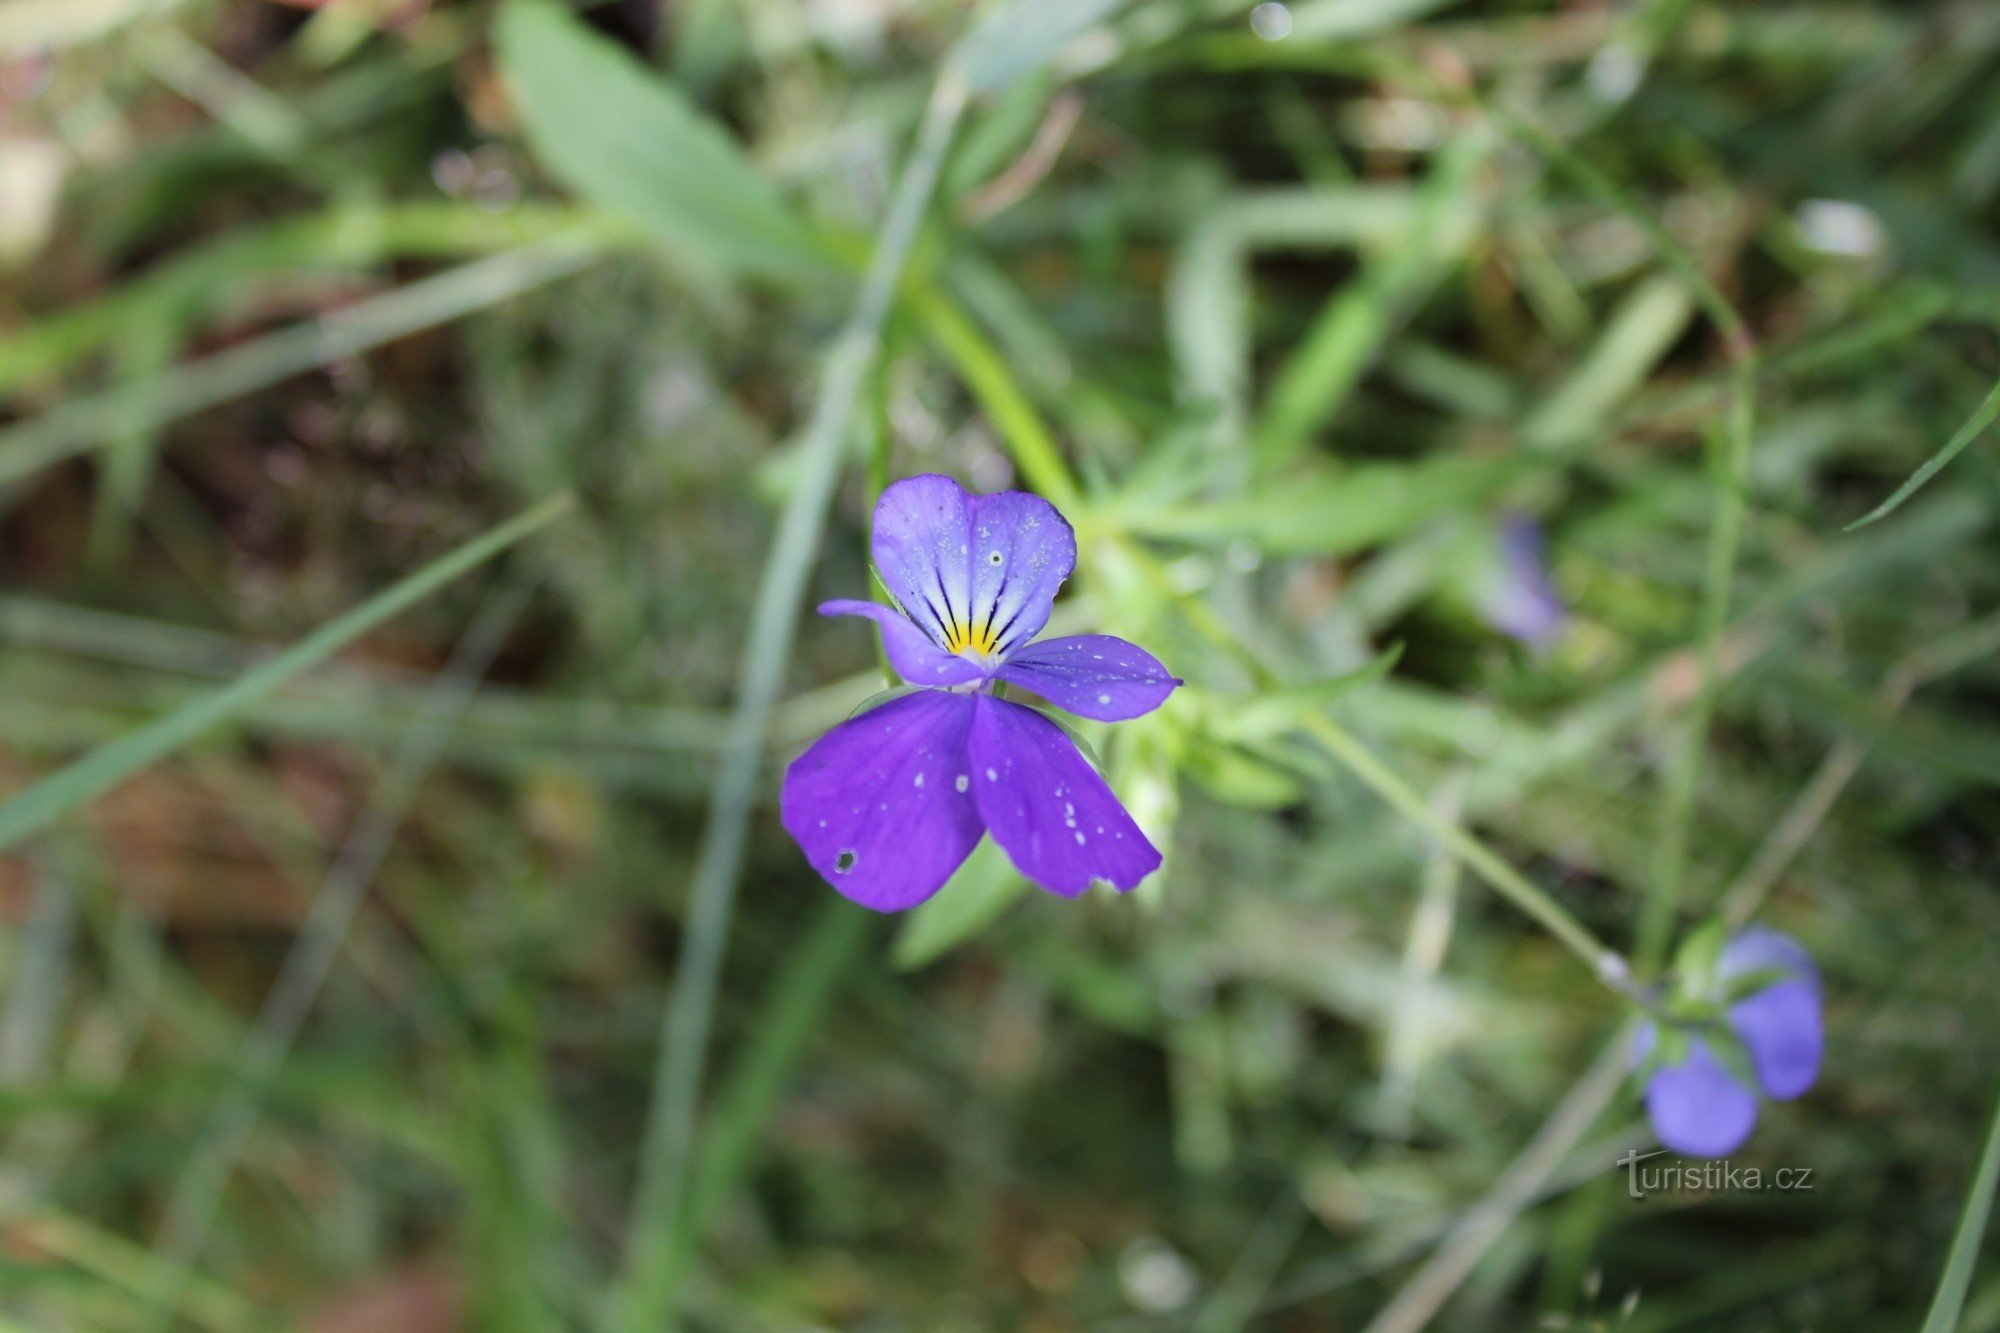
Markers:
<point>1271,21</point>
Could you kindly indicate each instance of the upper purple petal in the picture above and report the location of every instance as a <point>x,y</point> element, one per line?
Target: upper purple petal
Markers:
<point>1092,675</point>
<point>1520,601</point>
<point>1780,1025</point>
<point>882,804</point>
<point>971,569</point>
<point>922,545</point>
<point>911,652</point>
<point>1047,807</point>
<point>1022,550</point>
<point>1698,1108</point>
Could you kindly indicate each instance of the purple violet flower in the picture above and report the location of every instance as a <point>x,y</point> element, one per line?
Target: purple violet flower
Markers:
<point>1698,1105</point>
<point>1519,599</point>
<point>889,803</point>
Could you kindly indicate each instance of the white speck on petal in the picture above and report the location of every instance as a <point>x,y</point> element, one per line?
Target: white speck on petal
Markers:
<point>961,782</point>
<point>1104,698</point>
<point>1079,840</point>
<point>991,776</point>
<point>920,780</point>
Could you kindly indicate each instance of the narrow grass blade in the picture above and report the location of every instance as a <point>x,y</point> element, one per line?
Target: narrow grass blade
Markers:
<point>105,767</point>
<point>90,423</point>
<point>1970,431</point>
<point>1964,1253</point>
<point>184,1233</point>
<point>646,1299</point>
<point>1487,1221</point>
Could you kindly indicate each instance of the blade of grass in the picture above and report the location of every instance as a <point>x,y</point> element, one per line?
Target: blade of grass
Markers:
<point>103,768</point>
<point>1486,1221</point>
<point>1353,326</point>
<point>1963,1256</point>
<point>90,423</point>
<point>1970,431</point>
<point>813,971</point>
<point>183,1232</point>
<point>645,1298</point>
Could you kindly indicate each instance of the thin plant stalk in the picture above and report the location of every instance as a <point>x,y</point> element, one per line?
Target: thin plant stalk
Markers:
<point>183,1234</point>
<point>646,1294</point>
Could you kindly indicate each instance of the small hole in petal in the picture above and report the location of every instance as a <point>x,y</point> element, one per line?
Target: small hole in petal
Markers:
<point>845,861</point>
<point>993,557</point>
<point>961,782</point>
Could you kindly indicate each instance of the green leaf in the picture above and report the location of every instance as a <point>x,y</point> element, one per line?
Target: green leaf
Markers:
<point>971,900</point>
<point>1274,712</point>
<point>1696,959</point>
<point>1964,1255</point>
<point>880,697</point>
<point>105,767</point>
<point>1985,416</point>
<point>633,146</point>
<point>1333,512</point>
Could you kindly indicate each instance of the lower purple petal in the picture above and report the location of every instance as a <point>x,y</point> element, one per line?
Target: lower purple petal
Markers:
<point>881,805</point>
<point>1779,1025</point>
<point>910,650</point>
<point>1697,1108</point>
<point>1046,806</point>
<point>1092,675</point>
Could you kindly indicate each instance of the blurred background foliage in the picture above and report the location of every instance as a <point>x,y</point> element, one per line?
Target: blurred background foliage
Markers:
<point>337,1007</point>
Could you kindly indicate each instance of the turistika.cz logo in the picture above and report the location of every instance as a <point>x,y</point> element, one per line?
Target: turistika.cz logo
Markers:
<point>1718,1176</point>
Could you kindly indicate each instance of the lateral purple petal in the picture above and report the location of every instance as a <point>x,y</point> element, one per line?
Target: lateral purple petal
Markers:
<point>910,650</point>
<point>1092,675</point>
<point>1780,1024</point>
<point>881,805</point>
<point>1697,1108</point>
<point>922,546</point>
<point>1047,807</point>
<point>1519,600</point>
<point>1022,550</point>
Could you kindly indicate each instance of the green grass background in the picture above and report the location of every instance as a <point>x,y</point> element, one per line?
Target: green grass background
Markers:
<point>423,424</point>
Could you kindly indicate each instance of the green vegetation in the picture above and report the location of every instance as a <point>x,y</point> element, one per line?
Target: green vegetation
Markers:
<point>426,427</point>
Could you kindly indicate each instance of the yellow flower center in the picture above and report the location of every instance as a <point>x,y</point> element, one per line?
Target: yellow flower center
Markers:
<point>960,637</point>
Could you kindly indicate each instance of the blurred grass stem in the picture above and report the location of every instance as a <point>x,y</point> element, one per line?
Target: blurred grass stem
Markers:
<point>644,1302</point>
<point>184,1232</point>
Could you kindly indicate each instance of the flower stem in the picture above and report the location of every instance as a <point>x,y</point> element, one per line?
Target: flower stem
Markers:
<point>1604,962</point>
<point>646,1298</point>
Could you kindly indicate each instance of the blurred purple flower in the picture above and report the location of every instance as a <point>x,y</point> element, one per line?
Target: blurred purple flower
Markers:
<point>887,804</point>
<point>1519,600</point>
<point>1701,1108</point>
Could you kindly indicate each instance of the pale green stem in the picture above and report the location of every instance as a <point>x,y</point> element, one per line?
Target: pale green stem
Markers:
<point>1604,962</point>
<point>645,1303</point>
